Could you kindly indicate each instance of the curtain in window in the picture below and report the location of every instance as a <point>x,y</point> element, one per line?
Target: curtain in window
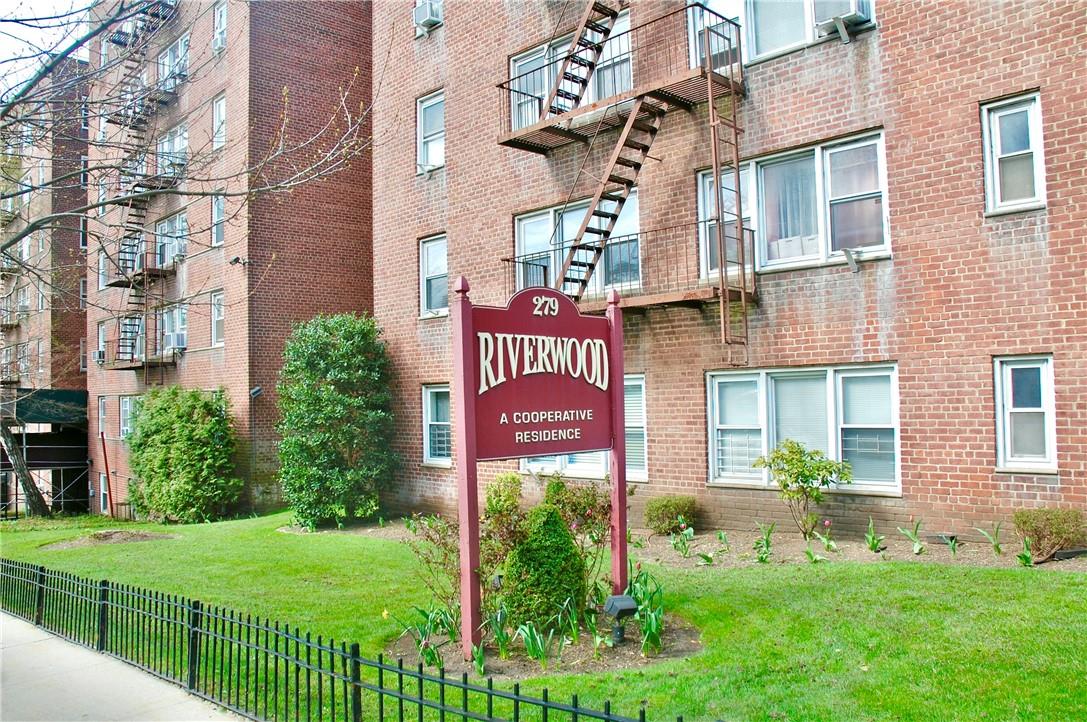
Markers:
<point>790,212</point>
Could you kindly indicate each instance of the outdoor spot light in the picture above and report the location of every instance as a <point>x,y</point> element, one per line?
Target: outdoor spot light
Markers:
<point>619,607</point>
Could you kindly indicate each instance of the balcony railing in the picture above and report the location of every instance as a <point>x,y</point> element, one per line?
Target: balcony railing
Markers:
<point>10,318</point>
<point>656,267</point>
<point>134,263</point>
<point>122,354</point>
<point>667,58</point>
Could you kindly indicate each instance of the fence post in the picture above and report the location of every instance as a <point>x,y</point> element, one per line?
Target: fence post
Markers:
<point>356,684</point>
<point>103,614</point>
<point>39,598</point>
<point>194,642</point>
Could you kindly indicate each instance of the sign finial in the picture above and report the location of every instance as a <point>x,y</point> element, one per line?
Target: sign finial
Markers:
<point>461,285</point>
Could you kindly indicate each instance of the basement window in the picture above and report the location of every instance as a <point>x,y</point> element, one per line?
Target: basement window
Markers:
<point>437,427</point>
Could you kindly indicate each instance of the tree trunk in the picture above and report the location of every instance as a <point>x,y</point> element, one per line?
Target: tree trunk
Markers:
<point>34,499</point>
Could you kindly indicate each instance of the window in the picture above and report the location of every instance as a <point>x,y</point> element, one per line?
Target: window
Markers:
<point>103,196</point>
<point>173,150</point>
<point>1014,165</point>
<point>101,347</point>
<point>171,239</point>
<point>218,32</point>
<point>543,238</point>
<point>83,232</point>
<point>41,172</point>
<point>635,418</point>
<point>437,429</point>
<point>41,298</point>
<point>103,52</point>
<point>806,207</point>
<point>778,26</point>
<point>84,113</point>
<point>39,354</point>
<point>533,74</point>
<point>83,293</point>
<point>431,132</point>
<point>103,486</point>
<point>709,253</point>
<point>103,270</point>
<point>218,122</point>
<point>22,299</point>
<point>218,319</point>
<point>1025,413</point>
<point>433,274</point>
<point>103,132</point>
<point>83,171</point>
<point>175,326</point>
<point>174,64</point>
<point>125,404</point>
<point>218,220</point>
<point>595,464</point>
<point>849,413</point>
<point>101,414</point>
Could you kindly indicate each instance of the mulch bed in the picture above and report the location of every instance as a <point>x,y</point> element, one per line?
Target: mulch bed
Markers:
<point>108,536</point>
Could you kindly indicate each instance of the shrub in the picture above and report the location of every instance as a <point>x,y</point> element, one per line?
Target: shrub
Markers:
<point>181,450</point>
<point>336,419</point>
<point>436,544</point>
<point>802,475</point>
<point>585,508</point>
<point>544,570</point>
<point>501,529</point>
<point>1050,530</point>
<point>662,514</point>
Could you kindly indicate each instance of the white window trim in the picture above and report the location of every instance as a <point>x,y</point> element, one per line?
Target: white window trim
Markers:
<point>990,112</point>
<point>218,222</point>
<point>639,379</point>
<point>1004,461</point>
<point>752,195</point>
<point>124,409</point>
<point>761,479</point>
<point>218,29</point>
<point>103,493</point>
<point>102,404</point>
<point>218,122</point>
<point>218,312</point>
<point>423,278</point>
<point>425,102</point>
<point>429,460</point>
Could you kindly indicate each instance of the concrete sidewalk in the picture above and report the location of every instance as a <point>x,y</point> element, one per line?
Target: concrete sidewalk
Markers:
<point>43,677</point>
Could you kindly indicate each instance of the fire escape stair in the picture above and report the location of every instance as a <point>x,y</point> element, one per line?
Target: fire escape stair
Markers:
<point>572,78</point>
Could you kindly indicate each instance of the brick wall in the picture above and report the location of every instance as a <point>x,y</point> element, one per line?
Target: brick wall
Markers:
<point>961,287</point>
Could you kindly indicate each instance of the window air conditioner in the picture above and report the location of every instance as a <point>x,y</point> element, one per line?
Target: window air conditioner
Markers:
<point>173,342</point>
<point>99,356</point>
<point>851,13</point>
<point>427,15</point>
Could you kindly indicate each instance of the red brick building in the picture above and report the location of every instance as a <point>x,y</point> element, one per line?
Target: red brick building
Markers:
<point>42,316</point>
<point>199,285</point>
<point>910,297</point>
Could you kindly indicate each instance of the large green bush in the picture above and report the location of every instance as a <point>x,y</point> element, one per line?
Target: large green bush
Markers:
<point>181,453</point>
<point>336,419</point>
<point>662,513</point>
<point>544,570</point>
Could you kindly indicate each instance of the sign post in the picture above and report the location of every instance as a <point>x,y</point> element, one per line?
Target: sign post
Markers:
<point>536,378</point>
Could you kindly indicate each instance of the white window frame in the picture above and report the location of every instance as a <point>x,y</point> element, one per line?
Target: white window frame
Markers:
<point>421,141</point>
<point>990,117</point>
<point>218,220</point>
<point>174,328</point>
<point>83,355</point>
<point>100,348</point>
<point>424,309</point>
<point>103,270</point>
<point>752,198</point>
<point>640,422</point>
<point>124,415</point>
<point>103,196</point>
<point>428,459</point>
<point>83,232</point>
<point>172,150</point>
<point>103,494</point>
<point>39,352</point>
<point>218,121</point>
<point>171,239</point>
<point>173,63</point>
<point>218,32</point>
<point>102,403</point>
<point>218,315</point>
<point>760,478</point>
<point>556,256</point>
<point>82,293</point>
<point>1005,461</point>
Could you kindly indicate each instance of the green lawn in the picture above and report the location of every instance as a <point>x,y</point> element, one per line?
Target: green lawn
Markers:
<point>838,641</point>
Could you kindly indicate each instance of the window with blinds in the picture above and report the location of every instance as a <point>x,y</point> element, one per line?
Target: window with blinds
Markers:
<point>848,413</point>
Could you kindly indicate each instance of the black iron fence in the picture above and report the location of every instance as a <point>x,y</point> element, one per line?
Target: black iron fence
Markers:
<point>262,669</point>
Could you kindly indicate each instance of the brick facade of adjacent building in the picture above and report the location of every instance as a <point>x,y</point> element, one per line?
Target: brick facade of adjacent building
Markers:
<point>960,287</point>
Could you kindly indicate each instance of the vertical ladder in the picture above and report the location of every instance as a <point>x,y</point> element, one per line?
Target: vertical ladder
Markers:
<point>616,182</point>
<point>575,70</point>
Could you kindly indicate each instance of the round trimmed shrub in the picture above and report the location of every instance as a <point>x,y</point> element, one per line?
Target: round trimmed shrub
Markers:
<point>544,570</point>
<point>662,513</point>
<point>181,452</point>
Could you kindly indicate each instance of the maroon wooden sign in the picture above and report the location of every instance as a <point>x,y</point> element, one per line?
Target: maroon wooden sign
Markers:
<point>542,375</point>
<point>535,378</point>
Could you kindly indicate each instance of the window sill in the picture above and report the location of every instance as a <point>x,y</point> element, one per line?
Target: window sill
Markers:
<point>855,490</point>
<point>438,463</point>
<point>738,484</point>
<point>1027,470</point>
<point>1026,208</point>
<point>427,173</point>
<point>834,260</point>
<point>434,314</point>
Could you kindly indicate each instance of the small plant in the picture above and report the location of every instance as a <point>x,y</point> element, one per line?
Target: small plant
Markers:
<point>479,659</point>
<point>566,621</point>
<point>828,544</point>
<point>447,621</point>
<point>537,647</point>
<point>813,557</point>
<point>722,539</point>
<point>763,544</point>
<point>801,476</point>
<point>498,624</point>
<point>914,536</point>
<point>422,631</point>
<point>1025,557</point>
<point>681,540</point>
<point>662,514</point>
<point>873,540</point>
<point>649,596</point>
<point>993,539</point>
<point>705,559</point>
<point>634,541</point>
<point>651,622</point>
<point>953,545</point>
<point>1050,530</point>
